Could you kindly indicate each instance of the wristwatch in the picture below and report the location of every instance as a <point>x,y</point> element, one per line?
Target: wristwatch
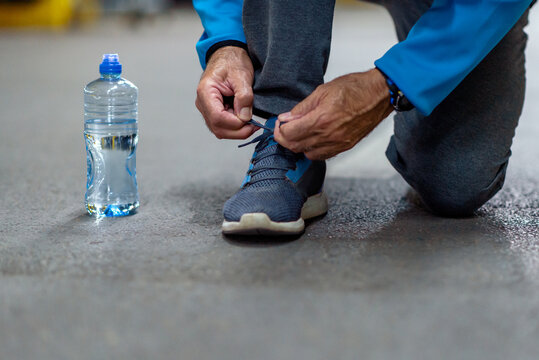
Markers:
<point>398,99</point>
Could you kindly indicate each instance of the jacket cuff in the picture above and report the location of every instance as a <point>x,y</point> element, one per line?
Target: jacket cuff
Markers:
<point>205,43</point>
<point>224,43</point>
<point>399,76</point>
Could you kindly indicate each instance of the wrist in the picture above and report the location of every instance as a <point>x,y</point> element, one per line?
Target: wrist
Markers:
<point>396,97</point>
<point>227,44</point>
<point>381,88</point>
<point>230,55</point>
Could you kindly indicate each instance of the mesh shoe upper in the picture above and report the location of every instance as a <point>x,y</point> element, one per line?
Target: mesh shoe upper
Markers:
<point>275,182</point>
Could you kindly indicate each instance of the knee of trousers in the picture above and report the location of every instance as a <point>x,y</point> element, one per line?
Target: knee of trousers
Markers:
<point>456,193</point>
<point>449,187</point>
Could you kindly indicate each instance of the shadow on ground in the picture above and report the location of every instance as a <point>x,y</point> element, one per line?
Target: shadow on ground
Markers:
<point>374,236</point>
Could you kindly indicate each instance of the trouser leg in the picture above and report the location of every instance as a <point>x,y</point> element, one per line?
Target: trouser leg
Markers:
<point>289,43</point>
<point>456,158</point>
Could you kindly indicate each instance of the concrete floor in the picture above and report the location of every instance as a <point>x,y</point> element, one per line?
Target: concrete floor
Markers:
<point>377,278</point>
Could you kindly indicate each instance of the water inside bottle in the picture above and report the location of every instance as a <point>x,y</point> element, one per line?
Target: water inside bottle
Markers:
<point>112,185</point>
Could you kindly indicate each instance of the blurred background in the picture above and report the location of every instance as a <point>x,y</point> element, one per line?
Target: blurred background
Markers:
<point>376,278</point>
<point>65,13</point>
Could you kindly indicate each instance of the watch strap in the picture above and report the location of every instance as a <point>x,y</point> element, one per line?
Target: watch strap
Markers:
<point>399,101</point>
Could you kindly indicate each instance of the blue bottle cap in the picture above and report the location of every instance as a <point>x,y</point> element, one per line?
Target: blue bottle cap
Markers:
<point>110,65</point>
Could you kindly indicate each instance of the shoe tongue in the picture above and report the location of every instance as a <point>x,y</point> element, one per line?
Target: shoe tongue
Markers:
<point>268,132</point>
<point>270,123</point>
<point>277,159</point>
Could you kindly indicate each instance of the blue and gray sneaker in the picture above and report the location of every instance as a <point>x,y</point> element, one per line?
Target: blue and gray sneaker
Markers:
<point>280,191</point>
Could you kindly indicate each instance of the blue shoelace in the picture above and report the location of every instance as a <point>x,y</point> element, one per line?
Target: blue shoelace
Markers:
<point>267,172</point>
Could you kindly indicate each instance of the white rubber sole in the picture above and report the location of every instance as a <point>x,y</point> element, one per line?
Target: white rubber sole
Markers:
<point>261,224</point>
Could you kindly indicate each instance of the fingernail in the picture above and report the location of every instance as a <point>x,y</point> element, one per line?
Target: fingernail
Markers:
<point>285,116</point>
<point>245,114</point>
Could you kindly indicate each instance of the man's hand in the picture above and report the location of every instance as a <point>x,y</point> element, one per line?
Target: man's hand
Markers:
<point>336,116</point>
<point>228,73</point>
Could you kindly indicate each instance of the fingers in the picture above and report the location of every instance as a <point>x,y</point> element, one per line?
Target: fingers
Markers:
<point>243,133</point>
<point>310,133</point>
<point>229,75</point>
<point>243,96</point>
<point>300,121</point>
<point>322,153</point>
<point>313,147</point>
<point>303,107</point>
<point>220,120</point>
<point>299,133</point>
<point>210,104</point>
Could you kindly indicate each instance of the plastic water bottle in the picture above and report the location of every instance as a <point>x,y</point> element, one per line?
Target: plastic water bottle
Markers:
<point>111,134</point>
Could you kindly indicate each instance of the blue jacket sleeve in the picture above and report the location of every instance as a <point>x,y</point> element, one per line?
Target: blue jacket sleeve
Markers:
<point>221,20</point>
<point>445,45</point>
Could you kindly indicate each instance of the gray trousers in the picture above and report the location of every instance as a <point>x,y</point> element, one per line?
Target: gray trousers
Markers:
<point>456,158</point>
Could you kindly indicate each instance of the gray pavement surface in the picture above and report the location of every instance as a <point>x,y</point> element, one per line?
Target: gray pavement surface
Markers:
<point>377,278</point>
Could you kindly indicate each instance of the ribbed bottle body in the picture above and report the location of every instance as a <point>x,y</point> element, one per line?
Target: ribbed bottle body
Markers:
<point>111,135</point>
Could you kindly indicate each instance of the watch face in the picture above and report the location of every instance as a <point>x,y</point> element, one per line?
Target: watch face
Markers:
<point>403,104</point>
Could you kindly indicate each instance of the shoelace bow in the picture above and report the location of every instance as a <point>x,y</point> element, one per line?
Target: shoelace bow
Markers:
<point>263,141</point>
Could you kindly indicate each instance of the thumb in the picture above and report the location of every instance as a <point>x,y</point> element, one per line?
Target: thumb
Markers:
<point>243,98</point>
